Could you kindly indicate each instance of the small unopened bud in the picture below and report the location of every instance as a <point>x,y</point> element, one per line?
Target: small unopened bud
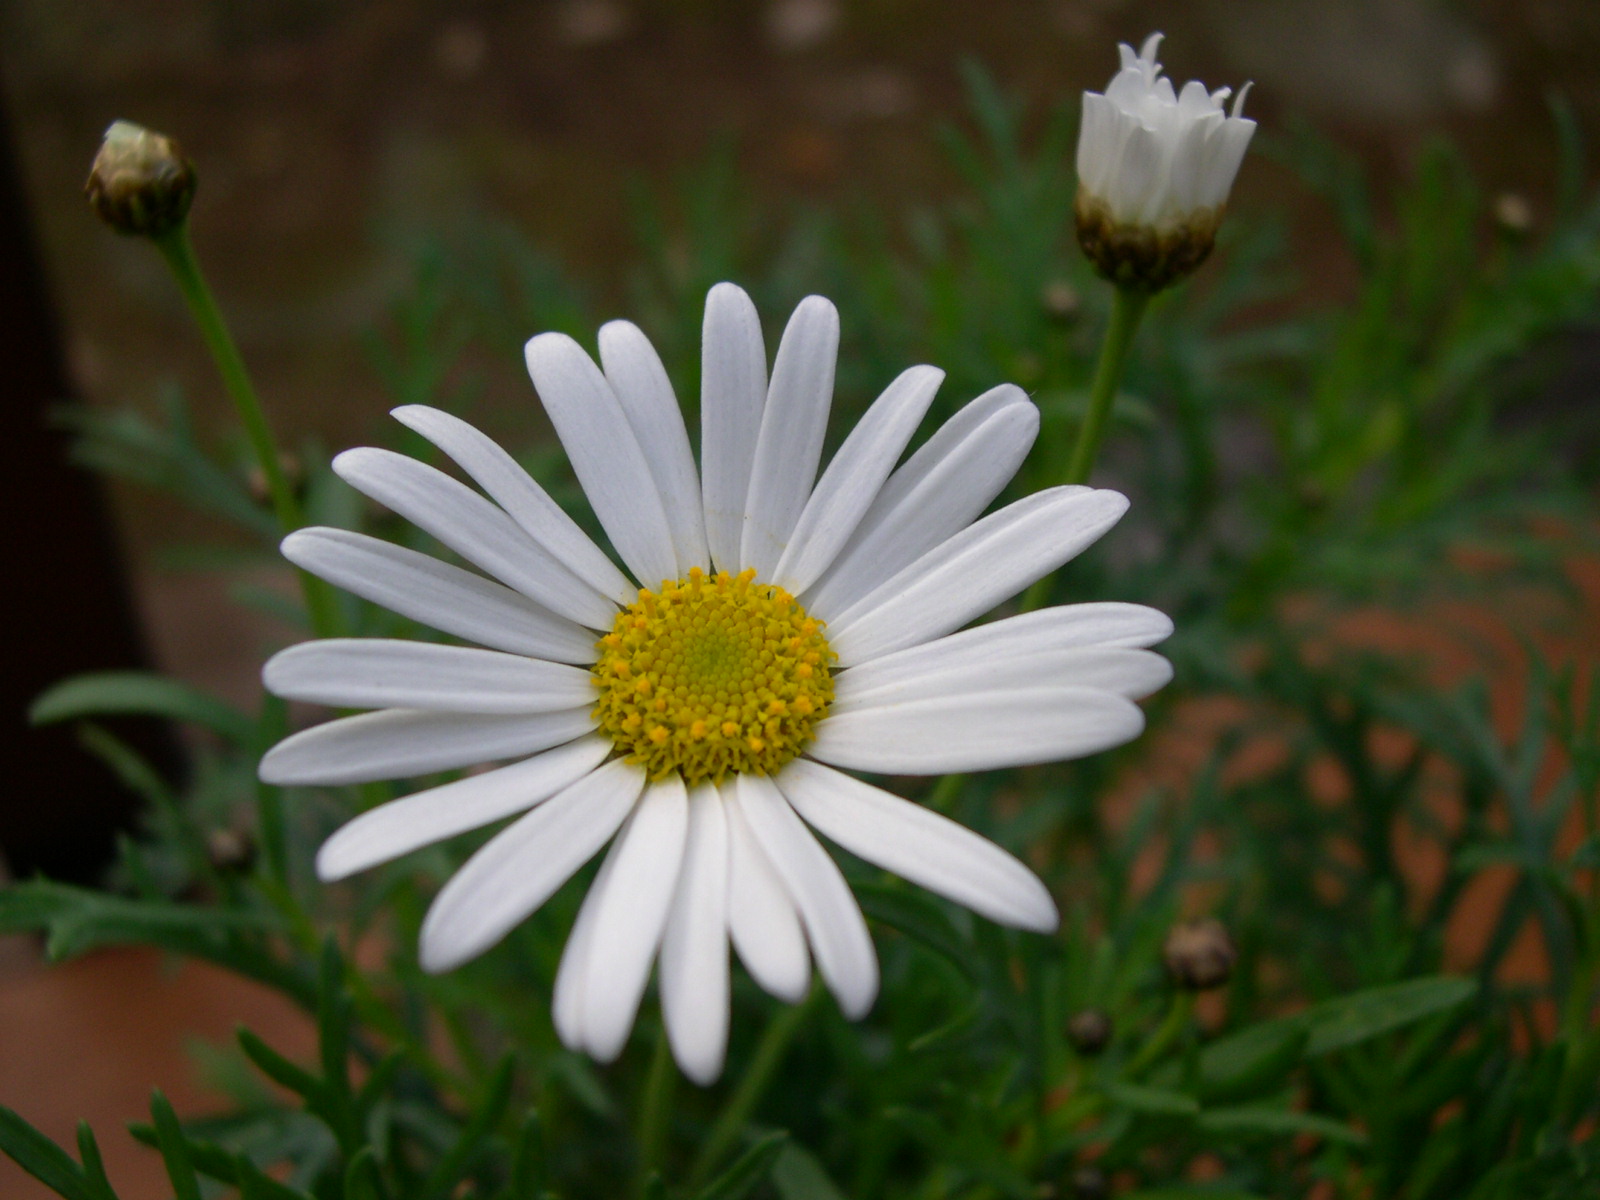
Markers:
<point>1090,1183</point>
<point>1512,215</point>
<point>230,850</point>
<point>1199,954</point>
<point>1061,301</point>
<point>140,182</point>
<point>1089,1031</point>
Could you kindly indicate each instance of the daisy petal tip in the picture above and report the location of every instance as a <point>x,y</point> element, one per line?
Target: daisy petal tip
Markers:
<point>330,865</point>
<point>857,1002</point>
<point>1042,918</point>
<point>544,351</point>
<point>700,1067</point>
<point>818,308</point>
<point>436,959</point>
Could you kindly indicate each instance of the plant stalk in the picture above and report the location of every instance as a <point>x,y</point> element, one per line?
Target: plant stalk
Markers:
<point>178,250</point>
<point>653,1119</point>
<point>1127,307</point>
<point>752,1086</point>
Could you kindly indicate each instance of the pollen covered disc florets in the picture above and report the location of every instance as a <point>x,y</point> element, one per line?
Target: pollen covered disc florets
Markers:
<point>713,675</point>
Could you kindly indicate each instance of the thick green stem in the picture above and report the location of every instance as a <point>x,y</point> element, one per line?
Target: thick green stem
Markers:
<point>176,248</point>
<point>1127,307</point>
<point>655,1111</point>
<point>753,1085</point>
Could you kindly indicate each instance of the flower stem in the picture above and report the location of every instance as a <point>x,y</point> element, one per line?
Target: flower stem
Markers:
<point>1171,1027</point>
<point>764,1064</point>
<point>1127,306</point>
<point>176,248</point>
<point>657,1107</point>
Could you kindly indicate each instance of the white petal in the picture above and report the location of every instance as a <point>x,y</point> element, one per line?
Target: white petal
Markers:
<point>733,392</point>
<point>640,382</point>
<point>606,456</point>
<point>694,949</point>
<point>514,490</point>
<point>939,491</point>
<point>946,672</point>
<point>1096,135</point>
<point>1049,630</point>
<point>400,743</point>
<point>973,571</point>
<point>762,920</point>
<point>919,845</point>
<point>418,820</point>
<point>523,865</point>
<point>792,428</point>
<point>568,996</point>
<point>438,595</point>
<point>630,915</point>
<point>475,529</point>
<point>855,476</point>
<point>980,731</point>
<point>389,673</point>
<point>833,921</point>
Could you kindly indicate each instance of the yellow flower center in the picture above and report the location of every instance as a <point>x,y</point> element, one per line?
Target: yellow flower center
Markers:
<point>712,676</point>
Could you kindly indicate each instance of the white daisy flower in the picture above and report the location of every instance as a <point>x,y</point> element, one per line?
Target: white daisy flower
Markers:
<point>1155,167</point>
<point>790,629</point>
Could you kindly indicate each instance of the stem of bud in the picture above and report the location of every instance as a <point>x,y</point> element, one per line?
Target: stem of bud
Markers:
<point>176,248</point>
<point>1127,307</point>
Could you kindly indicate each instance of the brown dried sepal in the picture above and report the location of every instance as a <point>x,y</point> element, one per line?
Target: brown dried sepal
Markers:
<point>1140,256</point>
<point>141,183</point>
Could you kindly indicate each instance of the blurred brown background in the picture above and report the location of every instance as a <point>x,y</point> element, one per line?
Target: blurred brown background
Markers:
<point>332,134</point>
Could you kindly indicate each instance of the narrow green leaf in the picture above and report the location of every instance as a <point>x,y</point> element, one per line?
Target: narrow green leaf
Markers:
<point>749,1169</point>
<point>333,1018</point>
<point>256,1184</point>
<point>361,1176</point>
<point>527,1160</point>
<point>1152,1100</point>
<point>459,1157</point>
<point>42,1158</point>
<point>1349,1020</point>
<point>140,693</point>
<point>1260,1119</point>
<point>174,1148</point>
<point>279,1069</point>
<point>797,1175</point>
<point>77,920</point>
<point>1253,1061</point>
<point>94,1167</point>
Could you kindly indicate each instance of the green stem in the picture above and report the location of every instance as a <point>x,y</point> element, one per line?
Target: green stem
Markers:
<point>1127,307</point>
<point>1171,1027</point>
<point>657,1108</point>
<point>753,1084</point>
<point>176,248</point>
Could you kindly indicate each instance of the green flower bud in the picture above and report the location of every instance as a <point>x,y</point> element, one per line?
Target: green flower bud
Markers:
<point>140,183</point>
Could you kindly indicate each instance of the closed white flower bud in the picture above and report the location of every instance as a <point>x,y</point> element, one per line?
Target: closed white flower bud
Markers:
<point>1155,166</point>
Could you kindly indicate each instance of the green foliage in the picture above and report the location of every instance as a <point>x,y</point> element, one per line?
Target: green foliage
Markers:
<point>1295,457</point>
